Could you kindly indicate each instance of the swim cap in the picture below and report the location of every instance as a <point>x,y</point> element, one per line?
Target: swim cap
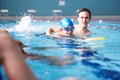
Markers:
<point>66,24</point>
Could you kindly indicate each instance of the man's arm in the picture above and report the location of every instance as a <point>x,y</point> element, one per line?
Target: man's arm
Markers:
<point>13,63</point>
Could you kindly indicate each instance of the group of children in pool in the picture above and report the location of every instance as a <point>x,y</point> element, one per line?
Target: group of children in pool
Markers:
<point>11,50</point>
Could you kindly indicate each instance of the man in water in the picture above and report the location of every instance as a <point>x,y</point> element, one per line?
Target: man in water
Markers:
<point>66,29</point>
<point>83,17</point>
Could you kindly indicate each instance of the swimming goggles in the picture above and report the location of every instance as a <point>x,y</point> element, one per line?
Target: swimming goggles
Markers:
<point>69,28</point>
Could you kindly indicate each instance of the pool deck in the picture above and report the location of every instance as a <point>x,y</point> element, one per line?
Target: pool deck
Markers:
<point>38,18</point>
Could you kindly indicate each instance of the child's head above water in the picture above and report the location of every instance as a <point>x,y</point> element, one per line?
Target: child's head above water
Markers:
<point>66,24</point>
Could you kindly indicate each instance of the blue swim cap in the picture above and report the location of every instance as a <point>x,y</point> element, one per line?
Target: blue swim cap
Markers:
<point>66,24</point>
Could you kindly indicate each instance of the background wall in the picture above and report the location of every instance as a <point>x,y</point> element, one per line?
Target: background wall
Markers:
<point>45,7</point>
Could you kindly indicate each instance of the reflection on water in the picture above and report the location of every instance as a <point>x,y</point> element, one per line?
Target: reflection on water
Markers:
<point>70,58</point>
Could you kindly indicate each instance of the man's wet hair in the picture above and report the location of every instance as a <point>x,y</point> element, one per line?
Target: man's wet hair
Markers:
<point>84,10</point>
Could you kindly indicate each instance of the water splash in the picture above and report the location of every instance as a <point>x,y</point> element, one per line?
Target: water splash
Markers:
<point>25,25</point>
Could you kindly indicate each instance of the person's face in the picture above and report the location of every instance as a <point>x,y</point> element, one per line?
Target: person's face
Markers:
<point>84,18</point>
<point>70,32</point>
<point>67,33</point>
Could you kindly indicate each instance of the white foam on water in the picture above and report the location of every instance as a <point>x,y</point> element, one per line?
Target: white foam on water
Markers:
<point>24,25</point>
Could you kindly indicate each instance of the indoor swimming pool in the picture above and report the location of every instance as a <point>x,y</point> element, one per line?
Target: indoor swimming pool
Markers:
<point>62,58</point>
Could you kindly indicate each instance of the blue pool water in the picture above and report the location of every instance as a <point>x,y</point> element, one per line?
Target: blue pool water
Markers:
<point>102,64</point>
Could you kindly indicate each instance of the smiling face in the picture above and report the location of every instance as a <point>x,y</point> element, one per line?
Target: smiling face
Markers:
<point>83,18</point>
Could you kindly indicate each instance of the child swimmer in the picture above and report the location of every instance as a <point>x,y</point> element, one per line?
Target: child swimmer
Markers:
<point>66,29</point>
